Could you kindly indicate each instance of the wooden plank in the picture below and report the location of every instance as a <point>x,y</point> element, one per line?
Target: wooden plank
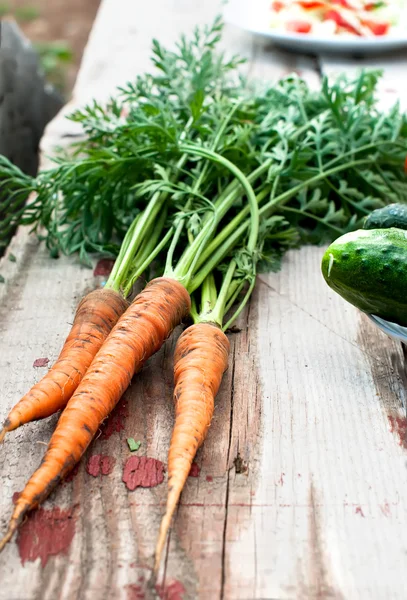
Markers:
<point>325,519</point>
<point>301,484</point>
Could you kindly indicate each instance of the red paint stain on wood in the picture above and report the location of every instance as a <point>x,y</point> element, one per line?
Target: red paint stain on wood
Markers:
<point>46,533</point>
<point>171,591</point>
<point>135,592</point>
<point>281,480</point>
<point>359,511</point>
<point>398,426</point>
<point>209,478</point>
<point>40,362</point>
<point>142,472</point>
<point>103,267</point>
<point>195,470</point>
<point>115,422</point>
<point>72,474</point>
<point>100,464</point>
<point>15,497</point>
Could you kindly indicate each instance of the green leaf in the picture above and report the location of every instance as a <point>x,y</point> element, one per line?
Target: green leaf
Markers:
<point>133,445</point>
<point>196,104</point>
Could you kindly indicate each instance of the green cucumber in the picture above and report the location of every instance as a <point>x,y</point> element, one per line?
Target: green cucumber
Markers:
<point>393,215</point>
<point>368,268</point>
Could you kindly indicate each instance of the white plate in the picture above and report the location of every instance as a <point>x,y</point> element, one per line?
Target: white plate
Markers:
<point>243,14</point>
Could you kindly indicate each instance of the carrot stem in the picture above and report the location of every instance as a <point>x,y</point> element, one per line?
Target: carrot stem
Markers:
<point>150,239</point>
<point>235,289</point>
<point>254,209</point>
<point>241,306</point>
<point>149,215</point>
<point>184,270</point>
<point>168,265</point>
<point>216,315</point>
<point>147,262</point>
<point>208,294</point>
<point>113,282</point>
<point>225,234</point>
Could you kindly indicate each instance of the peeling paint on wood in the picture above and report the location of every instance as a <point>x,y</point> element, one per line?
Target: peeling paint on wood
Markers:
<point>46,533</point>
<point>142,472</point>
<point>100,464</point>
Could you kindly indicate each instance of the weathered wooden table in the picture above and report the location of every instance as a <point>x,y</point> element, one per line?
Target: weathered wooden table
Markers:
<point>301,486</point>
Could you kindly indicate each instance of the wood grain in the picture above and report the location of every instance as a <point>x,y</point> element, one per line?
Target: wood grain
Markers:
<point>301,487</point>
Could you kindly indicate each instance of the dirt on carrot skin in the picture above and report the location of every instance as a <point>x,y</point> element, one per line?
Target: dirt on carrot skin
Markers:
<point>143,472</point>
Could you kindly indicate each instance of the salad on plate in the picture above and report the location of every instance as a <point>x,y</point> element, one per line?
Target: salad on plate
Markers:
<point>324,18</point>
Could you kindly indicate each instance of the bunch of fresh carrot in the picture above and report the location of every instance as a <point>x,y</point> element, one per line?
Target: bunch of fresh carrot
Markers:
<point>204,186</point>
<point>110,342</point>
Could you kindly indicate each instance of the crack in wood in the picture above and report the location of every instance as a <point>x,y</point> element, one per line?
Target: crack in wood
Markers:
<point>225,522</point>
<point>320,588</point>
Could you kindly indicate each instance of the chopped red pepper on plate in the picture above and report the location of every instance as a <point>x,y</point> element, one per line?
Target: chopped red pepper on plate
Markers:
<point>277,6</point>
<point>298,26</point>
<point>343,3</point>
<point>376,28</point>
<point>348,16</point>
<point>311,5</point>
<point>334,15</point>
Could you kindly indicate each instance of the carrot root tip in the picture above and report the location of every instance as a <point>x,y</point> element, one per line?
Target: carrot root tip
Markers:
<point>9,535</point>
<point>165,526</point>
<point>2,435</point>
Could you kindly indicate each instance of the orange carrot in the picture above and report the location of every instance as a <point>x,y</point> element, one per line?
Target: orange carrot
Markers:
<point>138,334</point>
<point>201,358</point>
<point>95,316</point>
